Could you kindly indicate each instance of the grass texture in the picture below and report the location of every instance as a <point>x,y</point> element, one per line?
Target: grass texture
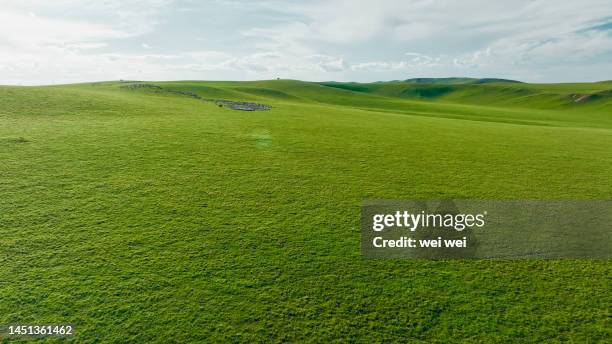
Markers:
<point>142,216</point>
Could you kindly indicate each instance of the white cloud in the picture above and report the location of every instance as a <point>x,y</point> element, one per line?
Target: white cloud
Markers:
<point>465,35</point>
<point>414,60</point>
<point>328,63</point>
<point>72,40</point>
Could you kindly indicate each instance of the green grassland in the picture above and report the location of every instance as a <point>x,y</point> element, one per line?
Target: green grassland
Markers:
<point>149,216</point>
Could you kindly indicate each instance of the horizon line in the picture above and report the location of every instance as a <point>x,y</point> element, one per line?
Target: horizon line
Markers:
<point>501,80</point>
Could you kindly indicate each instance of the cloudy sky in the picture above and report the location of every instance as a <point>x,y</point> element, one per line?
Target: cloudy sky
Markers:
<point>61,41</point>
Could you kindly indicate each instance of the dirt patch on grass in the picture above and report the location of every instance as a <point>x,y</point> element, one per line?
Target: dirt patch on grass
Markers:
<point>583,98</point>
<point>580,98</point>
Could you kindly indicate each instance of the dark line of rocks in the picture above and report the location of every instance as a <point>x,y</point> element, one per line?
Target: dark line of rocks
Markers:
<point>235,105</point>
<point>244,106</point>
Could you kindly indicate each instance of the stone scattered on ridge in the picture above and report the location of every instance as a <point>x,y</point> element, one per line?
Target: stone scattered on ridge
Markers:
<point>234,105</point>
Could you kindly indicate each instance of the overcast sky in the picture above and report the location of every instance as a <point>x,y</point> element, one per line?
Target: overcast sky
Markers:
<point>61,41</point>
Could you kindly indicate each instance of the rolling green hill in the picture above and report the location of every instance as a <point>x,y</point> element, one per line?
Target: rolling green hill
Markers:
<point>152,214</point>
<point>596,96</point>
<point>459,80</point>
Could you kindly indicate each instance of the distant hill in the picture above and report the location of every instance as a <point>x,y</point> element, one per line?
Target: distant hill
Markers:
<point>456,81</point>
<point>421,92</point>
<point>489,91</point>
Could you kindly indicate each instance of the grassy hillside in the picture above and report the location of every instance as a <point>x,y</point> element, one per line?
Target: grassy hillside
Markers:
<point>147,215</point>
<point>585,96</point>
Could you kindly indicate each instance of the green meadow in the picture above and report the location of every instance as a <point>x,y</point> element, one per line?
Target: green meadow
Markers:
<point>147,215</point>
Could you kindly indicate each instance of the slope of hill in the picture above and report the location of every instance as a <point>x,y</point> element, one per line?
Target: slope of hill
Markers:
<point>596,96</point>
<point>143,215</point>
<point>561,104</point>
<point>455,81</point>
